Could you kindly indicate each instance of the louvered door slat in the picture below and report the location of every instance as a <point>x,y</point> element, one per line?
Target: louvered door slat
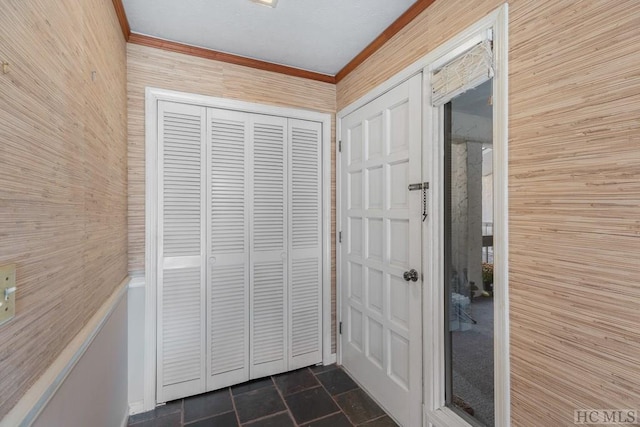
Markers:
<point>181,332</point>
<point>269,315</point>
<point>305,289</point>
<point>268,297</point>
<point>181,134</point>
<point>269,186</point>
<point>182,174</point>
<point>228,308</point>
<point>228,300</point>
<point>305,246</point>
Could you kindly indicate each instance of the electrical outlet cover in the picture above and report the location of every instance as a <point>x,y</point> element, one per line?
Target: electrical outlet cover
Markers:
<point>7,299</point>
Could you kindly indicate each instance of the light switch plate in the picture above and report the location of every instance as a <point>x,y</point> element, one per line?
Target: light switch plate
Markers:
<point>7,298</point>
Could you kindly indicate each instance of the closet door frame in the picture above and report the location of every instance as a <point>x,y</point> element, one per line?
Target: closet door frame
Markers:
<point>152,97</point>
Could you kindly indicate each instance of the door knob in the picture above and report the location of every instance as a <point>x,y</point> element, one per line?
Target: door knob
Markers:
<point>411,275</point>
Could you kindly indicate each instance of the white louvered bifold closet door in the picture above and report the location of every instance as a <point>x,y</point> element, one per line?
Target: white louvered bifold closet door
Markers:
<point>268,277</point>
<point>305,244</point>
<point>228,242</point>
<point>180,352</point>
<point>239,247</point>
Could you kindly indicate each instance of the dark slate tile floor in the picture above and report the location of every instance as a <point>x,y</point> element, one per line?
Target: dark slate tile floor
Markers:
<point>319,396</point>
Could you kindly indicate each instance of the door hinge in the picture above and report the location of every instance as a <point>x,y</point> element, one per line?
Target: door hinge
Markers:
<point>340,237</point>
<point>340,146</point>
<point>340,328</point>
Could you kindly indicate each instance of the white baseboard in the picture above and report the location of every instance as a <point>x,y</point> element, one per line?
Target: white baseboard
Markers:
<point>35,400</point>
<point>136,407</point>
<point>136,344</point>
<point>333,357</point>
<point>137,280</point>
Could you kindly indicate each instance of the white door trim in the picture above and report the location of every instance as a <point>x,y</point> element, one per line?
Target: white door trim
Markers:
<point>436,414</point>
<point>152,96</point>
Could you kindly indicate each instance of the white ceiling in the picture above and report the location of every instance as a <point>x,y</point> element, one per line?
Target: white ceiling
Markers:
<point>315,35</point>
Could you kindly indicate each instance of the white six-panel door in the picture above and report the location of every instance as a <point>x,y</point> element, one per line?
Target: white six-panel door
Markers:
<point>240,252</point>
<point>381,222</point>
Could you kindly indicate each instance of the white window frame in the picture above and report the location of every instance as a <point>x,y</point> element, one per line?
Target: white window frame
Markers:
<point>152,97</point>
<point>435,411</point>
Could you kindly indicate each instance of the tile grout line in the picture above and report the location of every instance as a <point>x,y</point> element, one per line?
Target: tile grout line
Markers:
<point>182,411</point>
<point>233,404</point>
<point>334,397</point>
<point>207,417</point>
<point>185,424</point>
<point>345,392</point>
<point>377,418</point>
<point>321,385</point>
<point>264,417</point>
<point>384,412</point>
<point>357,387</point>
<point>295,422</point>
<point>327,416</point>
<point>328,370</point>
<point>273,384</point>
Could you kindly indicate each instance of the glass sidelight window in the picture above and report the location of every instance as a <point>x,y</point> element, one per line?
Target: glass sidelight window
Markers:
<point>468,257</point>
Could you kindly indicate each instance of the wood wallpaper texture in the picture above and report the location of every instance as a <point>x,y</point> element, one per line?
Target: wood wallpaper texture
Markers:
<point>63,190</point>
<point>574,194</point>
<point>174,71</point>
<point>574,170</point>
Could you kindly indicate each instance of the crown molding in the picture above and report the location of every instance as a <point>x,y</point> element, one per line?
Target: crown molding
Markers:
<point>122,18</point>
<point>201,52</point>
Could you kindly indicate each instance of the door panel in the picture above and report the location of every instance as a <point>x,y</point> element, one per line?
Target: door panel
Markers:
<point>305,243</point>
<point>228,216</point>
<point>381,344</point>
<point>180,353</point>
<point>268,258</point>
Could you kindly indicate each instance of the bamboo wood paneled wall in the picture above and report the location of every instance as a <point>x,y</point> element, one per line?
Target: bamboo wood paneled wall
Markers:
<point>169,70</point>
<point>574,194</point>
<point>63,200</point>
